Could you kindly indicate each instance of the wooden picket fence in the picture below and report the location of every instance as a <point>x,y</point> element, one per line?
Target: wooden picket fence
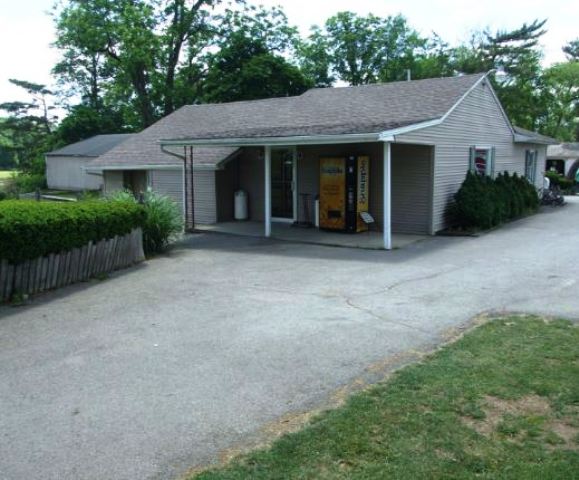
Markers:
<point>77,265</point>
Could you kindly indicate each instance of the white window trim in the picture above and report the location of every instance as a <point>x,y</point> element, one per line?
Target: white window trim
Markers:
<point>491,154</point>
<point>532,156</point>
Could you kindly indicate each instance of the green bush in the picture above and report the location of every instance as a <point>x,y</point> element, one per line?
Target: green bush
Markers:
<point>30,229</point>
<point>560,181</point>
<point>163,219</point>
<point>3,195</point>
<point>27,183</point>
<point>483,202</point>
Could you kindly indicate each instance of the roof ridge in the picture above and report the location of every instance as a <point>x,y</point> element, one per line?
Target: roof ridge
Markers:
<point>397,82</point>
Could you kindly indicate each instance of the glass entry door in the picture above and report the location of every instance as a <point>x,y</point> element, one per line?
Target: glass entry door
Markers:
<point>282,183</point>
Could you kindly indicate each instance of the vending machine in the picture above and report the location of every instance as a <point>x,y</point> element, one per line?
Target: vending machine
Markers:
<point>344,192</point>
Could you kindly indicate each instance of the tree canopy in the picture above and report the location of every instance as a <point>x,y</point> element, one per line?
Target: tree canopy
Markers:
<point>126,63</point>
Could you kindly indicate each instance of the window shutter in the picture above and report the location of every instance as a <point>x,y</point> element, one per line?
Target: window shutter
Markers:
<point>471,159</point>
<point>491,162</point>
<point>527,164</point>
<point>534,165</point>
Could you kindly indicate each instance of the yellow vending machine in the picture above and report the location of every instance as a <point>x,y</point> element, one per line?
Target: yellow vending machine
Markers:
<point>344,192</point>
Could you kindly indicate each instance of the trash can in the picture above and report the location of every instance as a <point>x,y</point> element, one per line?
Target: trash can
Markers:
<point>240,209</point>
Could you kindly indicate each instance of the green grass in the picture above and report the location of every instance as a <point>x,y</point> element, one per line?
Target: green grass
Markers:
<point>5,177</point>
<point>500,403</point>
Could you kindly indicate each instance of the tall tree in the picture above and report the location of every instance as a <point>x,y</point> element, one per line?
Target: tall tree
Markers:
<point>561,100</point>
<point>315,59</point>
<point>250,59</point>
<point>134,48</point>
<point>368,49</point>
<point>571,50</point>
<point>515,58</point>
<point>28,126</point>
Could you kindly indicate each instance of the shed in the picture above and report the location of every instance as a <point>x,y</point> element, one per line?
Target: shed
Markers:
<point>66,166</point>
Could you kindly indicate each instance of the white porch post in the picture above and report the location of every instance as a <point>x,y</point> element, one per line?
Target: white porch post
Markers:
<point>267,160</point>
<point>387,183</point>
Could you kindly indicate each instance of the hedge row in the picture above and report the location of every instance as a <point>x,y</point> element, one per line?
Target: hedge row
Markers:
<point>30,229</point>
<point>560,181</point>
<point>484,202</point>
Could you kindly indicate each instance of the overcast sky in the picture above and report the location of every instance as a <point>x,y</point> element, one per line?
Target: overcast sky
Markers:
<point>26,30</point>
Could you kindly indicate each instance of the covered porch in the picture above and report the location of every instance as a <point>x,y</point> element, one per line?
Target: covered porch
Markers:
<point>282,181</point>
<point>371,240</point>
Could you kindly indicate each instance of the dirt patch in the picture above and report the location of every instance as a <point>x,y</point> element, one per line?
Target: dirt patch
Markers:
<point>496,409</point>
<point>567,433</point>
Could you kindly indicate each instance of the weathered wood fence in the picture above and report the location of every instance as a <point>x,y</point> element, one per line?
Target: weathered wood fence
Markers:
<point>79,264</point>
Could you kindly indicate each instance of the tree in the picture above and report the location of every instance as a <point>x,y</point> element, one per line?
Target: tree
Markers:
<point>571,50</point>
<point>359,50</point>
<point>315,59</point>
<point>246,70</point>
<point>561,99</point>
<point>514,59</point>
<point>28,134</point>
<point>250,62</point>
<point>432,60</point>
<point>131,51</point>
<point>84,121</point>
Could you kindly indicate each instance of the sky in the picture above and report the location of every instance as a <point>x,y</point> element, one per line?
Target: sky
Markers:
<point>26,29</point>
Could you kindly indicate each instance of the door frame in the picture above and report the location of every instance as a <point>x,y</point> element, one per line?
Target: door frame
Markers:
<point>294,217</point>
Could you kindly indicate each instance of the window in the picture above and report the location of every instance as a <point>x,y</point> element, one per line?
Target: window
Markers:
<point>531,165</point>
<point>482,160</point>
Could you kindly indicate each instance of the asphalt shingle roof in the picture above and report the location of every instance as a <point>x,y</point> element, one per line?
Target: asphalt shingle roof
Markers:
<point>92,147</point>
<point>320,111</point>
<point>534,136</point>
<point>563,150</point>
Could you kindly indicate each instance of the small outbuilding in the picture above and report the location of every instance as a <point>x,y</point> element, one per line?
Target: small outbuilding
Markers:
<point>66,167</point>
<point>563,158</point>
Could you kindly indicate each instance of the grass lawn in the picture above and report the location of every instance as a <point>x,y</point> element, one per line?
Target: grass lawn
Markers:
<point>5,176</point>
<point>501,402</point>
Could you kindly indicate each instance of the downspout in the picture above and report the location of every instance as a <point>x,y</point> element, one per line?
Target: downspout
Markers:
<point>185,182</point>
<point>192,190</point>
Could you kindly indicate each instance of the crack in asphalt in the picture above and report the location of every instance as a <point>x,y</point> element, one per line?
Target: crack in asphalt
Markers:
<point>350,303</point>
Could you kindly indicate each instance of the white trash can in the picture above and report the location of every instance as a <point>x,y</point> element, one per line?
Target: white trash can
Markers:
<point>240,209</point>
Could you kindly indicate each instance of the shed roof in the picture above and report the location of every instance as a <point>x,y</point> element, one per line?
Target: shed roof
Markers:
<point>93,146</point>
<point>522,135</point>
<point>563,150</point>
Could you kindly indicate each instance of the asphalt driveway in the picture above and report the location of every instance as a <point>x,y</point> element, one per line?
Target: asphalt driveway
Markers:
<point>161,367</point>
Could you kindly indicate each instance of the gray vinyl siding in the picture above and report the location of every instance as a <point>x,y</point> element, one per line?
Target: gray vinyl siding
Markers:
<point>226,185</point>
<point>411,181</point>
<point>244,172</point>
<point>205,197</point>
<point>68,173</point>
<point>411,189</point>
<point>113,180</point>
<point>478,120</point>
<point>168,183</point>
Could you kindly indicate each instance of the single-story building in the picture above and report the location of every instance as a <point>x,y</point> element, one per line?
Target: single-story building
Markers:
<point>563,158</point>
<point>409,145</point>
<point>66,167</point>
